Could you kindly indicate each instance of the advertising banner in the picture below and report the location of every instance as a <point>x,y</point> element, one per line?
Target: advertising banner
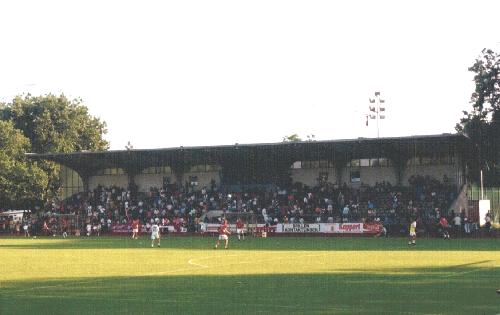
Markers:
<point>298,228</point>
<point>121,228</point>
<point>339,228</point>
<point>314,228</point>
<point>127,229</point>
<point>372,227</point>
<point>214,227</point>
<point>351,228</point>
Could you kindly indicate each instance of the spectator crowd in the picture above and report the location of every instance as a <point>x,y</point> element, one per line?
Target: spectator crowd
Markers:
<point>186,206</point>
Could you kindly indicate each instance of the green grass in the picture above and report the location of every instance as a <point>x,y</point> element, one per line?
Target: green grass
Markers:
<point>112,275</point>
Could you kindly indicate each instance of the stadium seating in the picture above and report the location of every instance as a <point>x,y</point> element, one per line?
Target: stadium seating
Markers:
<point>185,208</point>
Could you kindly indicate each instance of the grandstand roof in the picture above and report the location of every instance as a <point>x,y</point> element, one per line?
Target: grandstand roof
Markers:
<point>269,153</point>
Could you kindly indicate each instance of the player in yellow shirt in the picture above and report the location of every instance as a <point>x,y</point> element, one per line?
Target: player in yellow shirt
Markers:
<point>413,232</point>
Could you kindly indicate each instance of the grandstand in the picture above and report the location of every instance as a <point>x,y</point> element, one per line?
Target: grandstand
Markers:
<point>385,180</point>
<point>257,166</point>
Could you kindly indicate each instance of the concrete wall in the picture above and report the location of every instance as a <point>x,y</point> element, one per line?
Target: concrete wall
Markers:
<point>462,201</point>
<point>108,180</point>
<point>370,175</point>
<point>145,181</point>
<point>310,176</point>
<point>433,171</point>
<point>204,178</point>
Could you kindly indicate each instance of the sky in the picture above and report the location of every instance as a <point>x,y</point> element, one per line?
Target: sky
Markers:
<point>199,73</point>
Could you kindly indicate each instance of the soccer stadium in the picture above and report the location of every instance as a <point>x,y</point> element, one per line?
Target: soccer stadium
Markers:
<point>249,157</point>
<point>314,227</point>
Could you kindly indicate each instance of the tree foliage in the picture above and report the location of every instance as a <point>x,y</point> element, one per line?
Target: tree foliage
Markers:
<point>54,124</point>
<point>296,138</point>
<point>22,182</point>
<point>482,123</point>
<point>292,138</point>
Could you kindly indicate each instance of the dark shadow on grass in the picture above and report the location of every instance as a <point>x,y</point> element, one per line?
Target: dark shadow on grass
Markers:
<point>453,290</point>
<point>439,272</point>
<point>274,244</point>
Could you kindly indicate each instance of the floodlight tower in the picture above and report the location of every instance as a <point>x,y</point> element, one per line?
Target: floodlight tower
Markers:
<point>129,146</point>
<point>376,111</point>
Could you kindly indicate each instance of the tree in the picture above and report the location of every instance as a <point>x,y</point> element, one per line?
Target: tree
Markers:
<point>293,138</point>
<point>296,138</point>
<point>22,182</point>
<point>311,137</point>
<point>482,123</point>
<point>55,124</point>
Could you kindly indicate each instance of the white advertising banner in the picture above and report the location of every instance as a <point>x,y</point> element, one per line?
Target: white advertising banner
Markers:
<point>298,228</point>
<point>339,228</point>
<point>214,227</point>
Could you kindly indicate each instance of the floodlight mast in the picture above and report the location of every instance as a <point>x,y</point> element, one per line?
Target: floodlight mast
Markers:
<point>376,111</point>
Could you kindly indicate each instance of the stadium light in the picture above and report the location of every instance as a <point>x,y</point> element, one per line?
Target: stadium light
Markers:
<point>129,146</point>
<point>377,111</point>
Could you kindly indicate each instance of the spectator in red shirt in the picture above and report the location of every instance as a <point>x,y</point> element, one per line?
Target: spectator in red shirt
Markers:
<point>177,224</point>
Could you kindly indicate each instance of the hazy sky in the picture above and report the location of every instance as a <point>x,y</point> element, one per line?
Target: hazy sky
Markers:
<point>171,73</point>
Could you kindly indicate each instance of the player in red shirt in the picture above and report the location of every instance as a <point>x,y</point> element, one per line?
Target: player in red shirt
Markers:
<point>135,228</point>
<point>240,229</point>
<point>443,223</point>
<point>223,233</point>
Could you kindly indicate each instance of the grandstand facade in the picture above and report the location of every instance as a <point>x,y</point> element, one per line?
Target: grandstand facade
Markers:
<point>349,163</point>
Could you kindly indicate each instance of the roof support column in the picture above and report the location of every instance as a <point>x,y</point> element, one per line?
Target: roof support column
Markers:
<point>178,175</point>
<point>85,181</point>
<point>399,169</point>
<point>399,165</point>
<point>85,176</point>
<point>131,174</point>
<point>179,169</point>
<point>339,170</point>
<point>399,155</point>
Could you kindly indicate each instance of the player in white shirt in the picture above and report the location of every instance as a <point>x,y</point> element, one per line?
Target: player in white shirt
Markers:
<point>89,229</point>
<point>155,234</point>
<point>26,229</point>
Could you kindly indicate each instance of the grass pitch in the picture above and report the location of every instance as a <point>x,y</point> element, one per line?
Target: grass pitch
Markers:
<point>113,275</point>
